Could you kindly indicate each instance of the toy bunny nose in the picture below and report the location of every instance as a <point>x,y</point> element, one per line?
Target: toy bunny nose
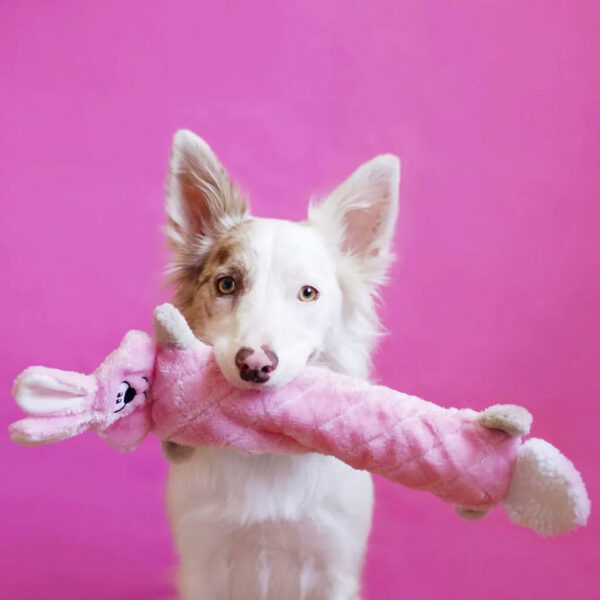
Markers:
<point>255,365</point>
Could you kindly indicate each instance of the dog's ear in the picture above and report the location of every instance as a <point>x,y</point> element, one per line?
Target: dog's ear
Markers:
<point>360,215</point>
<point>202,201</point>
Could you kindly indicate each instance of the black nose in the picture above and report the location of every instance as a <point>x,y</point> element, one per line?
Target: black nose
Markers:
<point>255,365</point>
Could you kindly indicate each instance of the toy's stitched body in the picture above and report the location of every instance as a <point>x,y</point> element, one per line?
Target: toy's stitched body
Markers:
<point>407,440</point>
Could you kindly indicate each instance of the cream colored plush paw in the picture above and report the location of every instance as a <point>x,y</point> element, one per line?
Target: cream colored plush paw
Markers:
<point>171,328</point>
<point>513,419</point>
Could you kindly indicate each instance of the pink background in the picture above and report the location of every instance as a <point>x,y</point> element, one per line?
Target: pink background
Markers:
<point>493,107</point>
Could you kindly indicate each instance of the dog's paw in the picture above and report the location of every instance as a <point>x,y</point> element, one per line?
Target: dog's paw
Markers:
<point>176,453</point>
<point>514,420</point>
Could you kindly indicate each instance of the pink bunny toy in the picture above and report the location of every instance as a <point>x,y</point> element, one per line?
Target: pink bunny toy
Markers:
<point>472,460</point>
<point>62,404</point>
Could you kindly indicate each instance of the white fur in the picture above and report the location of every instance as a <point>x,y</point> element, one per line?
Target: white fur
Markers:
<point>280,527</point>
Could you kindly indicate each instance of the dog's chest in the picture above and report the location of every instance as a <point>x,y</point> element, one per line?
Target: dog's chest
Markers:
<point>224,484</point>
<point>268,527</point>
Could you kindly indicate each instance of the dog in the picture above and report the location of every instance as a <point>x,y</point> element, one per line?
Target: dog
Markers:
<point>272,296</point>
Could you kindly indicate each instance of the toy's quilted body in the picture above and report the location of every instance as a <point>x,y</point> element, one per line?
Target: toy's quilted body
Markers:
<point>173,388</point>
<point>406,439</point>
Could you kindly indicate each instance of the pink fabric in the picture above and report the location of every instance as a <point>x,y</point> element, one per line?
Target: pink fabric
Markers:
<point>88,401</point>
<point>493,107</point>
<point>405,439</point>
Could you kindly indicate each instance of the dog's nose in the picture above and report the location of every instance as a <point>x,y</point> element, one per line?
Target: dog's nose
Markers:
<point>255,365</point>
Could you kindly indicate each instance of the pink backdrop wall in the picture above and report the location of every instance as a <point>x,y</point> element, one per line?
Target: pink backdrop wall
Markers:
<point>493,107</point>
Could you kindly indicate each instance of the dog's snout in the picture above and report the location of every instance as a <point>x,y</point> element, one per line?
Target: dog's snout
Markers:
<point>255,365</point>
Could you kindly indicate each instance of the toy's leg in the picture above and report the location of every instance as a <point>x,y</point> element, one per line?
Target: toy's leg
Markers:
<point>470,514</point>
<point>176,453</point>
<point>514,420</point>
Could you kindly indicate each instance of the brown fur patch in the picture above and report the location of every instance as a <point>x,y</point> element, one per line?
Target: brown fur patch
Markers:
<point>223,254</point>
<point>204,280</point>
<point>196,295</point>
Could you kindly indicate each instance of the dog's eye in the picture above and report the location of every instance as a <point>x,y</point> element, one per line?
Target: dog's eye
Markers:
<point>308,293</point>
<point>226,285</point>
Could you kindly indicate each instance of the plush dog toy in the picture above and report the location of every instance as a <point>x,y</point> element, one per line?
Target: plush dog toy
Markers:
<point>173,388</point>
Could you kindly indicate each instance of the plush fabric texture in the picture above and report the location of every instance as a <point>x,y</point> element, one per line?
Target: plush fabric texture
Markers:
<point>403,438</point>
<point>176,390</point>
<point>61,404</point>
<point>546,491</point>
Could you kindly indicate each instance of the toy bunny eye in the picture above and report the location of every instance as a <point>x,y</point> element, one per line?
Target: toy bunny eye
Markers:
<point>226,285</point>
<point>125,395</point>
<point>308,293</point>
<point>121,396</point>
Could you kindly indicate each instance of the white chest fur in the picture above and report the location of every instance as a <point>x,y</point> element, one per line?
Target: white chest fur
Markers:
<point>268,527</point>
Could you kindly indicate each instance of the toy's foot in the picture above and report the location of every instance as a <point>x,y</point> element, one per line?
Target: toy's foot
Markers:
<point>546,492</point>
<point>470,514</point>
<point>171,328</point>
<point>513,419</point>
<point>176,453</point>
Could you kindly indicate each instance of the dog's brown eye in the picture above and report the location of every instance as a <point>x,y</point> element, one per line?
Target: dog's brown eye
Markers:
<point>308,294</point>
<point>226,285</point>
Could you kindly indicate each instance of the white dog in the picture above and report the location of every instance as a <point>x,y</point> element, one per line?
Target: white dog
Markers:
<point>272,296</point>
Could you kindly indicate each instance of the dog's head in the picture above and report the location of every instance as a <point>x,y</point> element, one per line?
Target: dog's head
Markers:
<point>272,295</point>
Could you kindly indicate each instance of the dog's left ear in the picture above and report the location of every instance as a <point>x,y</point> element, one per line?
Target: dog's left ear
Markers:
<point>202,200</point>
<point>360,215</point>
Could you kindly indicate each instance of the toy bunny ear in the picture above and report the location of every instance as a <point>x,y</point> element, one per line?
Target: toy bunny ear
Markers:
<point>44,391</point>
<point>171,328</point>
<point>34,431</point>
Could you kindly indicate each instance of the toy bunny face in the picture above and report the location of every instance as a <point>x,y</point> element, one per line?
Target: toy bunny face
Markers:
<point>61,404</point>
<point>124,377</point>
<point>127,393</point>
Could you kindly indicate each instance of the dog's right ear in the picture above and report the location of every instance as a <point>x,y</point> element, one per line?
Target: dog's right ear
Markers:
<point>360,215</point>
<point>202,201</point>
